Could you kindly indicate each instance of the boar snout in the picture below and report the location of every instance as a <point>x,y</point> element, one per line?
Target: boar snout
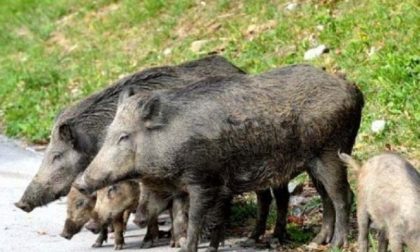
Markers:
<point>24,206</point>
<point>70,229</point>
<point>39,193</point>
<point>66,235</point>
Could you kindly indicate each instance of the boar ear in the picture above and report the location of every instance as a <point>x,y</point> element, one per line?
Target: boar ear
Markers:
<point>151,112</point>
<point>127,92</point>
<point>80,141</point>
<point>65,133</point>
<point>111,190</point>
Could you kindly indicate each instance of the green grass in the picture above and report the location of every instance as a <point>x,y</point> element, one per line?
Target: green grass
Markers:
<point>56,52</point>
<point>53,53</point>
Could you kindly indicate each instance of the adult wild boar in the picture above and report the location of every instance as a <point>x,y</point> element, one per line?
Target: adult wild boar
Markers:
<point>389,197</point>
<point>78,131</point>
<point>228,135</point>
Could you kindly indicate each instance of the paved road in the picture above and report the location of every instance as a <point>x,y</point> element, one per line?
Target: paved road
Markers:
<point>40,229</point>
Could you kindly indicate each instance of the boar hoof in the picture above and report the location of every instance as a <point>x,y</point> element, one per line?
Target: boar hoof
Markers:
<point>164,234</point>
<point>146,244</point>
<point>211,249</point>
<point>172,243</point>
<point>118,246</point>
<point>179,243</point>
<point>250,242</point>
<point>322,237</point>
<point>182,241</point>
<point>274,243</point>
<point>339,241</point>
<point>97,245</point>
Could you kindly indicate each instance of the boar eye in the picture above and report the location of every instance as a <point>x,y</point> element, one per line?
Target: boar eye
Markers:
<point>79,204</point>
<point>57,156</point>
<point>123,137</point>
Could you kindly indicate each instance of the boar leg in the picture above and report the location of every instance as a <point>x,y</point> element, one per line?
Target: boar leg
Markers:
<point>126,216</point>
<point>217,235</point>
<point>179,217</point>
<point>118,224</point>
<point>328,214</point>
<point>264,199</point>
<point>282,196</point>
<point>363,226</point>
<point>220,213</point>
<point>413,243</point>
<point>332,173</point>
<point>201,199</point>
<point>152,233</point>
<point>382,241</point>
<point>395,241</point>
<point>103,236</point>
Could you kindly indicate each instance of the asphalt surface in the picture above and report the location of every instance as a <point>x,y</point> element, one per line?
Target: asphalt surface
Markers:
<point>40,229</point>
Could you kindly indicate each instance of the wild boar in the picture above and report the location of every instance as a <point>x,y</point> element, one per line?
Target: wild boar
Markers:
<point>389,197</point>
<point>228,135</point>
<point>113,204</point>
<point>79,211</point>
<point>79,130</point>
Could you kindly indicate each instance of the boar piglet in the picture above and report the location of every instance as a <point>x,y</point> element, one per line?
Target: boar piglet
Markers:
<point>223,136</point>
<point>388,197</point>
<point>79,130</point>
<point>79,211</point>
<point>113,207</point>
<point>152,203</point>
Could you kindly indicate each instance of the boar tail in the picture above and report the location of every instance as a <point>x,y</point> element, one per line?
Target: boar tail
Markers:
<point>348,160</point>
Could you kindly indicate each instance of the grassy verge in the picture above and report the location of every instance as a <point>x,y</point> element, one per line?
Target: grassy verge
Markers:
<point>53,53</point>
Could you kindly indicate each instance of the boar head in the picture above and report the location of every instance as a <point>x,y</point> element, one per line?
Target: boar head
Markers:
<point>67,155</point>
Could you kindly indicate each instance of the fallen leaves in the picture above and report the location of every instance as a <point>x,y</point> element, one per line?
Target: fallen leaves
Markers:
<point>254,30</point>
<point>59,39</point>
<point>298,220</point>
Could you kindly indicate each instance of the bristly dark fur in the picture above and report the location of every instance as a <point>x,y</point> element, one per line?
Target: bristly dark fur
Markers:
<point>94,113</point>
<point>228,135</point>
